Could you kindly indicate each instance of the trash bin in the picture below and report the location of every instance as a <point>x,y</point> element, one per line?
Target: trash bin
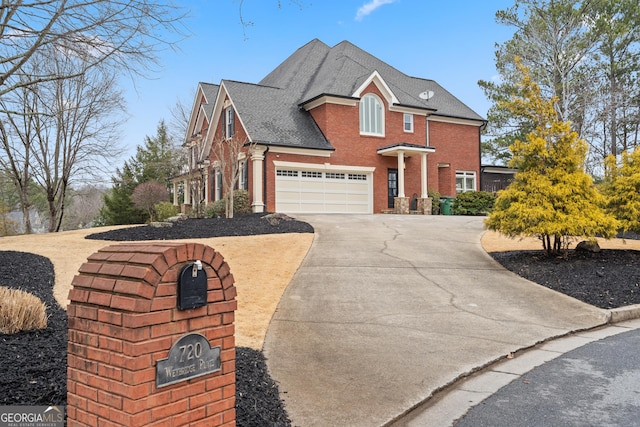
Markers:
<point>446,204</point>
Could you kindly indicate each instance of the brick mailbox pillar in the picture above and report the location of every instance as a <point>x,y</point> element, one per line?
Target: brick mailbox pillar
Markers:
<point>151,338</point>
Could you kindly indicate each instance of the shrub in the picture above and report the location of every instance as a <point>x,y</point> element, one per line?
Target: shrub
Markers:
<point>165,210</point>
<point>215,209</point>
<point>20,311</point>
<point>435,202</point>
<point>241,205</point>
<point>241,202</point>
<point>473,203</point>
<point>147,195</point>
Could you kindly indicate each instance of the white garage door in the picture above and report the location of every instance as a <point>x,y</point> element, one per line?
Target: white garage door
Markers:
<point>309,191</point>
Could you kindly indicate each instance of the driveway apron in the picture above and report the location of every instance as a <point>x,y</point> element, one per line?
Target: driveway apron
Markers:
<point>387,309</point>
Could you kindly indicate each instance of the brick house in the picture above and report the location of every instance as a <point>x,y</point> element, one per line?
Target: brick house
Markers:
<point>334,130</point>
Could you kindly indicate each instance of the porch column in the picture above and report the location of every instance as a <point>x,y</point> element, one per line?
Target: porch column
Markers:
<point>175,193</point>
<point>257,158</point>
<point>187,191</point>
<point>423,176</point>
<point>401,174</point>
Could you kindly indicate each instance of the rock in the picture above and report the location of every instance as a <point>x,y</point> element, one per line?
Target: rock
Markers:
<point>161,224</point>
<point>588,246</point>
<point>275,218</point>
<point>177,218</point>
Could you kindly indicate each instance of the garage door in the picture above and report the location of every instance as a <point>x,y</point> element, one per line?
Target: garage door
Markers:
<point>314,191</point>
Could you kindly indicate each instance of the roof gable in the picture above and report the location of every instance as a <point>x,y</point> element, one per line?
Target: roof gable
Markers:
<point>377,80</point>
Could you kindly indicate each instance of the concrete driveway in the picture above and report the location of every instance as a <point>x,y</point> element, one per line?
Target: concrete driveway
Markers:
<point>387,309</point>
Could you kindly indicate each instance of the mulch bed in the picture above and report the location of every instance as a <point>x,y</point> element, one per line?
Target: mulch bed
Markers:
<point>607,279</point>
<point>34,362</point>
<point>239,225</point>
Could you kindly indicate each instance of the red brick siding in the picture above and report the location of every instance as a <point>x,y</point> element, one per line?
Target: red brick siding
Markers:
<point>456,144</point>
<point>119,327</point>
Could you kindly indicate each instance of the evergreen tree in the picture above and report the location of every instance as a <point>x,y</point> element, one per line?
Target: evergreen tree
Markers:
<point>551,197</point>
<point>622,189</point>
<point>158,160</point>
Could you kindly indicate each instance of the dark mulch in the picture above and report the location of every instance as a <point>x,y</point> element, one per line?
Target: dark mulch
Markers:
<point>34,363</point>
<point>239,225</point>
<point>607,279</point>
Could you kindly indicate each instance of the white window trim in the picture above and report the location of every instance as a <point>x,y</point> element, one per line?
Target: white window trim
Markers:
<point>465,175</point>
<point>406,122</point>
<point>382,118</point>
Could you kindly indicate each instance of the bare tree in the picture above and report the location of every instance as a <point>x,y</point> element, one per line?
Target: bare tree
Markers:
<point>118,34</point>
<point>83,207</point>
<point>228,153</point>
<point>61,130</point>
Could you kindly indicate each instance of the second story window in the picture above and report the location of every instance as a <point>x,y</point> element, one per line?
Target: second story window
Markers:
<point>229,120</point>
<point>408,123</point>
<point>371,116</point>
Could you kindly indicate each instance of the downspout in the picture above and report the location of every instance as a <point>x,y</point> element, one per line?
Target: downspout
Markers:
<point>480,129</point>
<point>264,179</point>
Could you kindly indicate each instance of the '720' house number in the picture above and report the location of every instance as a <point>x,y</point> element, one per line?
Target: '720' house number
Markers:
<point>190,357</point>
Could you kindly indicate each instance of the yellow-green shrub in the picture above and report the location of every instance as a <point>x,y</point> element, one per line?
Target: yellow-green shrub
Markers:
<point>20,311</point>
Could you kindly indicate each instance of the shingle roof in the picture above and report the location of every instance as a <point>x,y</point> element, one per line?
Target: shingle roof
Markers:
<point>347,66</point>
<point>271,116</point>
<point>210,93</point>
<point>270,109</point>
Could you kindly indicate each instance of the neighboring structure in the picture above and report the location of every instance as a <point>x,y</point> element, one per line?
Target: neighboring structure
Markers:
<point>496,178</point>
<point>334,130</point>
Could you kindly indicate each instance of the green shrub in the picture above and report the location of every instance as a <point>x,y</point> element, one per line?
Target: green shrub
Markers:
<point>241,205</point>
<point>241,202</point>
<point>473,203</point>
<point>165,210</point>
<point>435,203</point>
<point>215,209</point>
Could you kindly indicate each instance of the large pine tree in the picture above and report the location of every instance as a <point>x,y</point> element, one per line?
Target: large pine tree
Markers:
<point>551,197</point>
<point>158,160</point>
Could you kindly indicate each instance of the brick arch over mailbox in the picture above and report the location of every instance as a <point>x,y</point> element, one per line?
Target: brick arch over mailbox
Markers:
<point>124,318</point>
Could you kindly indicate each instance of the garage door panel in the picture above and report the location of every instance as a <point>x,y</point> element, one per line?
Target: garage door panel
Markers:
<point>324,192</point>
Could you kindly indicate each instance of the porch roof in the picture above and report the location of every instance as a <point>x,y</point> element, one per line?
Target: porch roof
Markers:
<point>406,148</point>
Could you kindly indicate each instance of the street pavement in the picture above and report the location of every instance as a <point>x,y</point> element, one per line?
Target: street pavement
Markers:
<point>597,384</point>
<point>386,310</point>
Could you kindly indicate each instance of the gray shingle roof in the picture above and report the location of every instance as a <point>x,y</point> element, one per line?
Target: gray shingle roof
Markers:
<point>210,93</point>
<point>270,109</point>
<point>271,116</point>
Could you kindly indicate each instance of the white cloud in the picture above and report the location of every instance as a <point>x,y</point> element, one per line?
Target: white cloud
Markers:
<point>368,8</point>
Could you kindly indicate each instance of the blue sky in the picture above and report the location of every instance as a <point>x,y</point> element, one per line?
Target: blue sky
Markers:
<point>451,41</point>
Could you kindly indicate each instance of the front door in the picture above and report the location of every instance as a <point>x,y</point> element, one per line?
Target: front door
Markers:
<point>392,180</point>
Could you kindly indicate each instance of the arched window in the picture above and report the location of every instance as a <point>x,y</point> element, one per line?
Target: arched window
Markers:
<point>371,115</point>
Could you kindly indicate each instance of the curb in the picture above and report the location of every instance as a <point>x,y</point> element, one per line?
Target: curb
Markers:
<point>454,400</point>
<point>624,313</point>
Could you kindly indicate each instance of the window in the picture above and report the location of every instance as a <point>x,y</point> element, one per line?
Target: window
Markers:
<point>217,179</point>
<point>334,175</point>
<point>244,175</point>
<point>408,122</point>
<point>465,181</point>
<point>357,177</point>
<point>286,172</point>
<point>229,120</point>
<point>311,174</point>
<point>371,115</point>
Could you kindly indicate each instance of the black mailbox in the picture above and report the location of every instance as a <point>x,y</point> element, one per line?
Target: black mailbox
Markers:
<point>192,287</point>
